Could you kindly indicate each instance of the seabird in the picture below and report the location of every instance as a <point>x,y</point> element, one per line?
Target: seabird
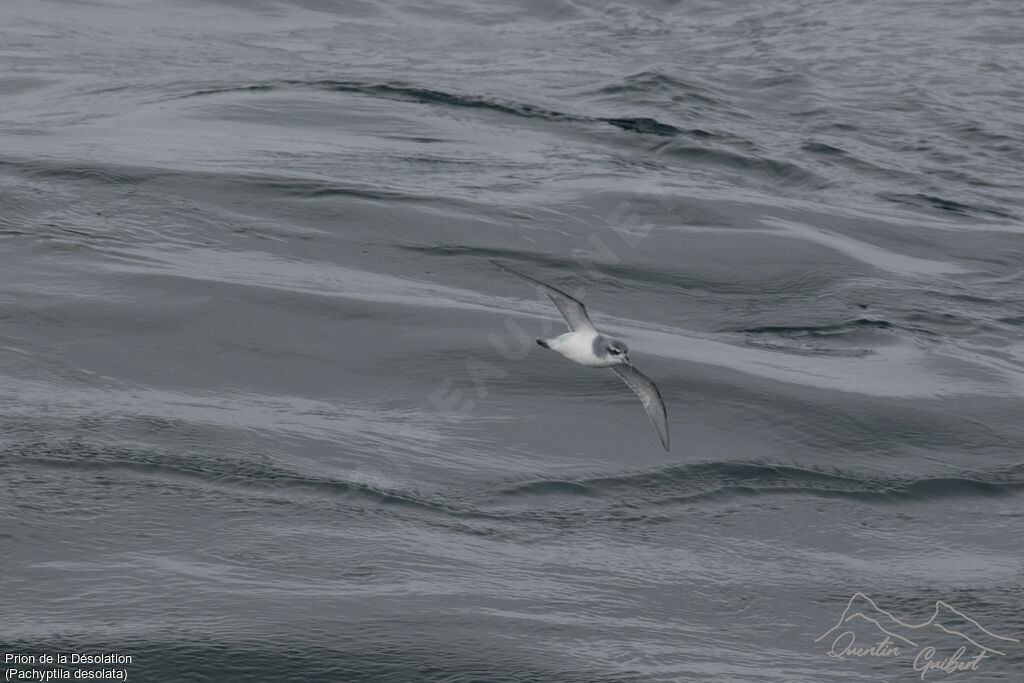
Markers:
<point>585,345</point>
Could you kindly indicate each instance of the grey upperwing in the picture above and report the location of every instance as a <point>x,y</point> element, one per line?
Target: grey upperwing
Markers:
<point>574,312</point>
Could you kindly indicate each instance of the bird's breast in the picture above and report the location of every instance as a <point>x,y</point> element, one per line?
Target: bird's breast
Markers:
<point>579,347</point>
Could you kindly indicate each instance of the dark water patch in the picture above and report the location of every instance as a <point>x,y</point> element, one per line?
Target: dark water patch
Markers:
<point>823,330</point>
<point>645,83</point>
<point>830,155</point>
<point>253,478</point>
<point>483,254</point>
<point>958,175</point>
<point>310,189</point>
<point>410,93</point>
<point>783,172</point>
<point>975,132</point>
<point>429,96</point>
<point>842,127</point>
<point>821,339</point>
<point>104,175</point>
<point>352,649</point>
<point>131,178</point>
<point>263,185</point>
<point>780,81</point>
<point>822,148</point>
<point>549,487</point>
<point>927,201</point>
<point>648,126</point>
<point>940,203</point>
<point>797,349</point>
<point>258,87</point>
<point>950,322</point>
<point>724,480</point>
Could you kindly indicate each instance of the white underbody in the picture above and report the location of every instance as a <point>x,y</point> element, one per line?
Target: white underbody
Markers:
<point>579,347</point>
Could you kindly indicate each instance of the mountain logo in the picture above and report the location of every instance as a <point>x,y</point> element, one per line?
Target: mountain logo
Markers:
<point>969,643</point>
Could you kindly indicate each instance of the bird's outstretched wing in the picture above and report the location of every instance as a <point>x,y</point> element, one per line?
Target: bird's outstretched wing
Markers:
<point>573,311</point>
<point>649,395</point>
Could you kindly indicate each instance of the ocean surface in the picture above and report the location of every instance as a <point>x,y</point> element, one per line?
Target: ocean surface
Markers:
<point>269,413</point>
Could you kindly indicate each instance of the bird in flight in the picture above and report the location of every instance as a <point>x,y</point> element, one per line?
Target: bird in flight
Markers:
<point>585,345</point>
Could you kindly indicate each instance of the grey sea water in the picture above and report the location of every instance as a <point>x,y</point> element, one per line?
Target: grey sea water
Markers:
<point>268,413</point>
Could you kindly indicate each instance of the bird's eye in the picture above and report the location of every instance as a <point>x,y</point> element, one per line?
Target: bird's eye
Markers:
<point>614,351</point>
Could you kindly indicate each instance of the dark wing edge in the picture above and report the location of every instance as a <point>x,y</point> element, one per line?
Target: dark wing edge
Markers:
<point>649,395</point>
<point>567,307</point>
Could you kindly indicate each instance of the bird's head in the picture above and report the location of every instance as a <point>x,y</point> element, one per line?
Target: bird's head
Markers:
<point>618,350</point>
